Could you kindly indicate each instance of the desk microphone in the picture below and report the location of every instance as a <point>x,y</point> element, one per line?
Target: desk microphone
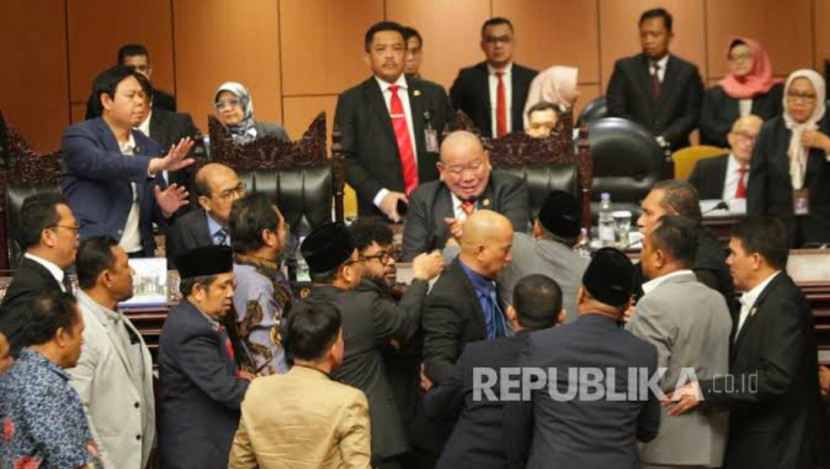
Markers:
<point>722,205</point>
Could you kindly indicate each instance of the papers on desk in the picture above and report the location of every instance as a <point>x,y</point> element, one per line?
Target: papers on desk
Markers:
<point>709,207</point>
<point>149,282</point>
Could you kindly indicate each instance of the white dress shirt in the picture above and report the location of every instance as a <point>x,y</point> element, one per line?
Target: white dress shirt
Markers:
<point>131,237</point>
<point>730,183</point>
<point>748,300</point>
<point>403,94</point>
<point>144,126</point>
<point>652,284</point>
<point>493,81</point>
<point>744,107</point>
<point>662,63</point>
<point>53,269</point>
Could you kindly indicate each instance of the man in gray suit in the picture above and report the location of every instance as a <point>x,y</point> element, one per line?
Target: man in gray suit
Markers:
<point>689,324</point>
<point>549,251</point>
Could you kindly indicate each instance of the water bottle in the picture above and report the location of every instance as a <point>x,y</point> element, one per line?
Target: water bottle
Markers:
<point>606,221</point>
<point>583,247</point>
<point>303,274</point>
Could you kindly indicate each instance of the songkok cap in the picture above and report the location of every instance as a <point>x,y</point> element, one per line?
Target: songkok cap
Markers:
<point>561,214</point>
<point>203,261</point>
<point>609,277</point>
<point>327,248</point>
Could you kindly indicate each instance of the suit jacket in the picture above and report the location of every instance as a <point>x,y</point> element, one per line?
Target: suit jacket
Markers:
<point>369,321</point>
<point>693,334</point>
<point>96,181</point>
<point>543,256</point>
<point>770,190</point>
<point>200,393</point>
<point>470,92</point>
<point>372,158</point>
<point>189,231</point>
<point>430,203</point>
<point>478,438</point>
<point>29,279</point>
<point>167,128</point>
<point>780,420</point>
<point>674,115</point>
<point>161,100</point>
<point>720,112</point>
<point>709,176</point>
<point>579,433</point>
<point>123,414</point>
<point>301,420</point>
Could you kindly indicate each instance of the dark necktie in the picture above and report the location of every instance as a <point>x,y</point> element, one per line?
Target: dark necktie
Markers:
<point>501,106</point>
<point>226,341</point>
<point>494,316</point>
<point>655,80</point>
<point>220,238</point>
<point>740,191</point>
<point>405,148</point>
<point>67,283</point>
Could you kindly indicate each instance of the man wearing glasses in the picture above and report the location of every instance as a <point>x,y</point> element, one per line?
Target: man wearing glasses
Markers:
<point>493,92</point>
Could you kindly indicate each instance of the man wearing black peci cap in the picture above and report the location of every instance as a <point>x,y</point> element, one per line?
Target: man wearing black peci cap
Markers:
<point>201,386</point>
<point>577,431</point>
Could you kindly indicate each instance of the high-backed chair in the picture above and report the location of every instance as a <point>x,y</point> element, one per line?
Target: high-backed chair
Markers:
<point>686,158</point>
<point>596,109</point>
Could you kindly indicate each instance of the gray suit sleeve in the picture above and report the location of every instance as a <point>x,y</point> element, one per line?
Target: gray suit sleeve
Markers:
<point>416,231</point>
<point>651,323</point>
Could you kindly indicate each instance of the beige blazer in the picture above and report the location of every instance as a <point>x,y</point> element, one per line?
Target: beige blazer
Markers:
<point>302,419</point>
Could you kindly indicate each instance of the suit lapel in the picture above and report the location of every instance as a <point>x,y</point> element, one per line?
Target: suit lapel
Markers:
<point>669,77</point>
<point>106,136</point>
<point>201,231</point>
<point>377,104</point>
<point>483,82</point>
<point>646,84</point>
<point>416,105</point>
<point>442,208</point>
<point>105,322</point>
<point>517,104</point>
<point>719,178</point>
<point>753,312</point>
<point>470,291</point>
<point>39,270</point>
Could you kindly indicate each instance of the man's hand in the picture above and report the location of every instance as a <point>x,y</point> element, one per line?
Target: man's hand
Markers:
<point>815,139</point>
<point>175,159</point>
<point>427,266</point>
<point>684,399</point>
<point>246,375</point>
<point>824,380</point>
<point>426,384</point>
<point>389,205</point>
<point>455,226</point>
<point>171,199</point>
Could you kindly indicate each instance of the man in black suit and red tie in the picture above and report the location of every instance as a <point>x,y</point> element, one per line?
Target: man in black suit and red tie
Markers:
<point>493,93</point>
<point>391,126</point>
<point>662,92</point>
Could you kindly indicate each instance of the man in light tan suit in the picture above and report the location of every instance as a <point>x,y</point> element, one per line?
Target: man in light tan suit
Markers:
<point>303,419</point>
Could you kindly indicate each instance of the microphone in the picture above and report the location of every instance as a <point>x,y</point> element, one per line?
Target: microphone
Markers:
<point>722,205</point>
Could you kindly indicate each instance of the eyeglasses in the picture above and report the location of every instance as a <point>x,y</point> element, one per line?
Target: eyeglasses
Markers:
<point>803,97</point>
<point>231,103</point>
<point>741,57</point>
<point>458,170</point>
<point>73,228</point>
<point>383,256</point>
<point>239,190</point>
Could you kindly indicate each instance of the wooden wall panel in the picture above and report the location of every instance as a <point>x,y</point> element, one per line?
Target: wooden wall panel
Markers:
<point>33,85</point>
<point>217,41</point>
<point>323,44</point>
<point>783,28</point>
<point>822,33</point>
<point>451,31</point>
<point>77,112</point>
<point>619,36</point>
<point>555,32</point>
<point>98,28</point>
<point>300,111</point>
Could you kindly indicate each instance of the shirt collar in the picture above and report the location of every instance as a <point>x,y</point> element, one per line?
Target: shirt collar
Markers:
<point>384,85</point>
<point>480,282</point>
<point>734,163</point>
<point>144,127</point>
<point>662,62</point>
<point>213,225</point>
<point>27,354</point>
<point>214,324</point>
<point>86,300</point>
<point>507,70</point>
<point>749,298</point>
<point>652,284</point>
<point>129,147</point>
<point>53,269</point>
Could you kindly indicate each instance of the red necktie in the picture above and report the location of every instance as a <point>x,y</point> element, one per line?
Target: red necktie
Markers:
<point>223,335</point>
<point>468,207</point>
<point>740,192</point>
<point>501,107</point>
<point>655,80</point>
<point>405,149</point>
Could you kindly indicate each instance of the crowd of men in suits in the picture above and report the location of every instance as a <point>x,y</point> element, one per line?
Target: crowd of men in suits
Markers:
<point>361,374</point>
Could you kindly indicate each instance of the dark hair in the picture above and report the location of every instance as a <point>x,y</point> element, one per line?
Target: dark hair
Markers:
<point>681,197</point>
<point>495,21</point>
<point>735,43</point>
<point>326,277</point>
<point>409,32</point>
<point>657,13</point>
<point>676,236</point>
<point>249,216</point>
<point>366,230</point>
<point>765,236</point>
<point>186,284</point>
<point>39,212</point>
<point>543,106</point>
<point>146,86</point>
<point>537,299</point>
<point>94,256</point>
<point>107,82</point>
<point>312,329</point>
<point>131,50</point>
<point>379,27</point>
<point>43,314</point>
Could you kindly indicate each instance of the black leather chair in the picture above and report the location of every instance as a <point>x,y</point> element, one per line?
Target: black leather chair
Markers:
<point>16,193</point>
<point>627,162</point>
<point>596,109</point>
<point>543,178</point>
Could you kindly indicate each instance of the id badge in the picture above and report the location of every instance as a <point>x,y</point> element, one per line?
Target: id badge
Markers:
<point>801,202</point>
<point>431,137</point>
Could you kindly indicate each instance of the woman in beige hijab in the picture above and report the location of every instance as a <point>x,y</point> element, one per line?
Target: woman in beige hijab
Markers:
<point>557,85</point>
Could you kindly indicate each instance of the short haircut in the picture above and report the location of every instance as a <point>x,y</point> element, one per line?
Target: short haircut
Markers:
<point>765,236</point>
<point>186,285</point>
<point>681,197</point>
<point>542,106</point>
<point>107,82</point>
<point>146,86</point>
<point>366,230</point>
<point>379,27</point>
<point>251,215</point>
<point>657,13</point>
<point>39,212</point>
<point>312,330</point>
<point>537,299</point>
<point>676,236</point>
<point>131,50</point>
<point>495,21</point>
<point>94,256</point>
<point>409,32</point>
<point>43,314</point>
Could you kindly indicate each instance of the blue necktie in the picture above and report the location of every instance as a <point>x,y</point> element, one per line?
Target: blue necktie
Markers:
<point>494,317</point>
<point>220,238</point>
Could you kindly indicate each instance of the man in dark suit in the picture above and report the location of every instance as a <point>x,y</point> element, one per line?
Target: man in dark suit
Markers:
<point>776,417</point>
<point>111,174</point>
<point>438,209</point>
<point>493,93</point>
<point>660,91</point>
<point>391,126</point>
<point>201,387</point>
<point>573,429</point>
<point>725,177</point>
<point>478,438</point>
<point>49,233</point>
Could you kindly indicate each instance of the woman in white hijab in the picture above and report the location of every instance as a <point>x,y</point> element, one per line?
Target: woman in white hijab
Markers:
<point>235,110</point>
<point>789,172</point>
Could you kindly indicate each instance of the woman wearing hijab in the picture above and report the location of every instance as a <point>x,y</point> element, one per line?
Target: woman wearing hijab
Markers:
<point>749,88</point>
<point>555,85</point>
<point>235,110</point>
<point>789,172</point>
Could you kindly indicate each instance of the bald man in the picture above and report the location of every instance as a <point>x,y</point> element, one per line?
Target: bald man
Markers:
<point>467,183</point>
<point>725,177</point>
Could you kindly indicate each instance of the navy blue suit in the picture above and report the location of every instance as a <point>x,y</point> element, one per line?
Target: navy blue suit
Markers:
<point>200,393</point>
<point>96,179</point>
